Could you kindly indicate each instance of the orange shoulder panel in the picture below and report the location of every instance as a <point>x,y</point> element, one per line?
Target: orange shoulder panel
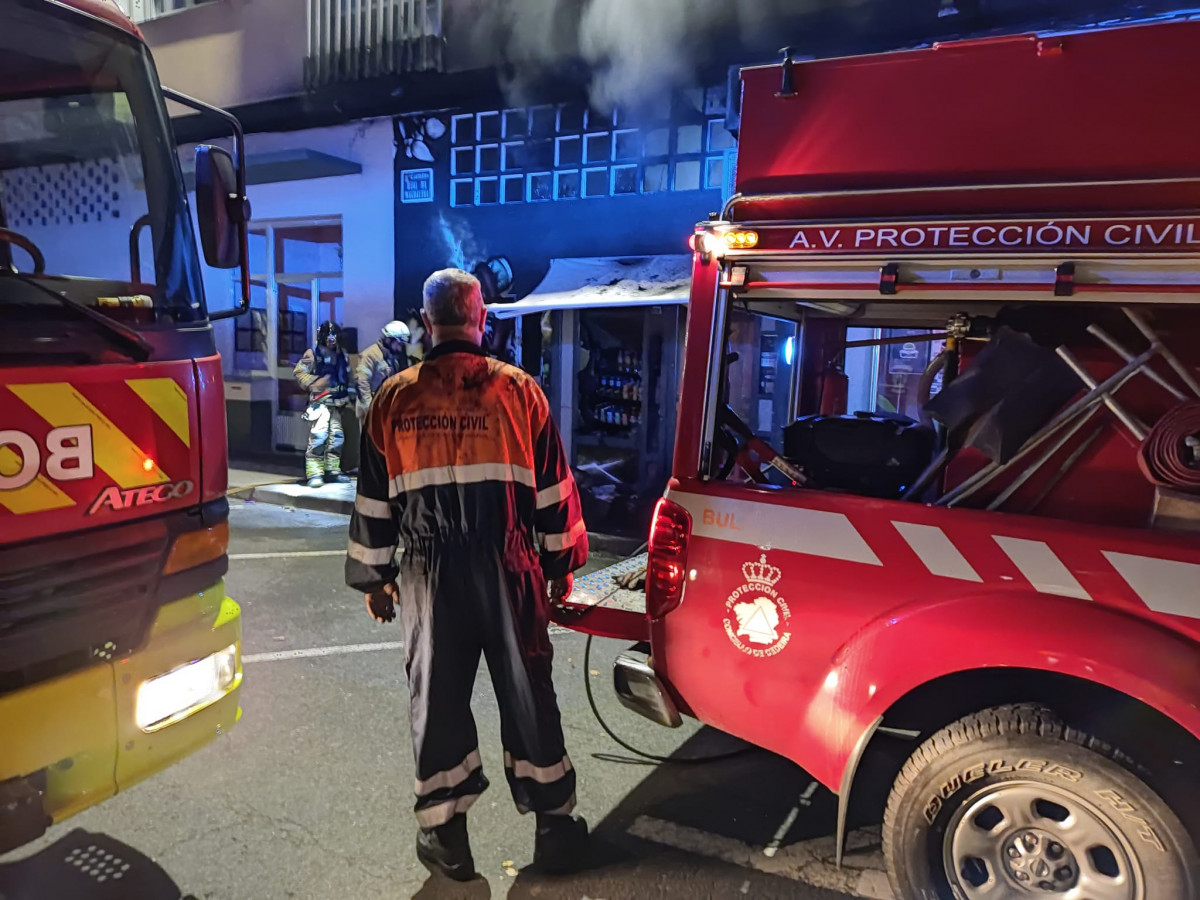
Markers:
<point>456,411</point>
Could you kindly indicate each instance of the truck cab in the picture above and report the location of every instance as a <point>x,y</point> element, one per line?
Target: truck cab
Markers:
<point>933,531</point>
<point>119,647</point>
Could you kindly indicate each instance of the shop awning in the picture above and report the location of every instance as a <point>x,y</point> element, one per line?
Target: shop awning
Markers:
<point>598,281</point>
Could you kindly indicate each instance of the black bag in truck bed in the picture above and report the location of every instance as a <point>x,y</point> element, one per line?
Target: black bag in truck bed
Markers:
<point>872,455</point>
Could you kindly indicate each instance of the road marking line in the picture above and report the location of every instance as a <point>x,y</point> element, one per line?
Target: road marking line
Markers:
<point>287,554</point>
<point>781,832</point>
<point>806,797</point>
<point>811,862</point>
<point>321,651</point>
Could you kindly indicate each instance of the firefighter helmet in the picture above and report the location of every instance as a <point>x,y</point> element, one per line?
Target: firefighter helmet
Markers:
<point>329,330</point>
<point>396,331</point>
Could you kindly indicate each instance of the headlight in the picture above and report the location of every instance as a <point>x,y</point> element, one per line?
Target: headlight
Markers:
<point>164,700</point>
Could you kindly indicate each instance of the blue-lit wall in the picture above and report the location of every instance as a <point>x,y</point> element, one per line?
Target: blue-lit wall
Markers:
<point>654,183</point>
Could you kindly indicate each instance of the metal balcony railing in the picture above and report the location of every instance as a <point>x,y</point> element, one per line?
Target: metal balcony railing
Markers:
<point>353,40</point>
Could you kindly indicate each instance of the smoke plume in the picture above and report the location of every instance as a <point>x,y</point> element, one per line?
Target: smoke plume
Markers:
<point>462,250</point>
<point>633,48</point>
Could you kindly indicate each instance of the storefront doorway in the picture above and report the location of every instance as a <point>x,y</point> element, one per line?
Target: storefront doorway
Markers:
<point>604,335</point>
<point>296,284</point>
<point>611,375</point>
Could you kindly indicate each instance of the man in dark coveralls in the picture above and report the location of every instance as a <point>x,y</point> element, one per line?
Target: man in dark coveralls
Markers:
<point>462,463</point>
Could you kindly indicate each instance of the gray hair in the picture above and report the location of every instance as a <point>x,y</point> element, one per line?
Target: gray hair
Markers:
<point>449,297</point>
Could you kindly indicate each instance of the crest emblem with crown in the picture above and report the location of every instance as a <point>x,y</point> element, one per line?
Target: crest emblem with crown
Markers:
<point>756,616</point>
<point>761,573</point>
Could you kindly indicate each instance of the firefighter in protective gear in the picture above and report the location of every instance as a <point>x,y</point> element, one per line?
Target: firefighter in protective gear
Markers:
<point>324,371</point>
<point>463,464</point>
<point>378,363</point>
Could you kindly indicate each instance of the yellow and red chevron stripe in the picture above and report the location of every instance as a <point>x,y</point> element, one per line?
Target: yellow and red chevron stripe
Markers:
<point>37,496</point>
<point>142,421</point>
<point>127,464</point>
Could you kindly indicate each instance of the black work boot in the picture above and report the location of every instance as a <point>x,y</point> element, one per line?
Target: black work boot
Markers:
<point>337,478</point>
<point>560,844</point>
<point>447,849</point>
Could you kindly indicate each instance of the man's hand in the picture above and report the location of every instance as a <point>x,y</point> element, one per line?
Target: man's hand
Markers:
<point>560,588</point>
<point>381,604</point>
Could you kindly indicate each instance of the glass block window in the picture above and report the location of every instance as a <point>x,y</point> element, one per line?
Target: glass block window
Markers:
<point>566,185</point>
<point>714,172</point>
<point>516,123</point>
<point>626,144</point>
<point>462,192</point>
<point>512,189</point>
<point>658,142</point>
<point>624,180</point>
<point>487,191</point>
<point>687,175</point>
<point>487,126</point>
<point>689,139</point>
<point>571,118</point>
<point>719,139</point>
<point>462,130</point>
<point>597,147</point>
<point>654,178</point>
<point>462,161</point>
<point>543,122</point>
<point>567,152</point>
<point>487,158</point>
<point>511,155</point>
<point>539,154</point>
<point>595,183</point>
<point>541,186</point>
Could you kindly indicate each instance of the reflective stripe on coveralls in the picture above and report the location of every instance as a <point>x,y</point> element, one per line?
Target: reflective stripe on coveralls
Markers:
<point>325,440</point>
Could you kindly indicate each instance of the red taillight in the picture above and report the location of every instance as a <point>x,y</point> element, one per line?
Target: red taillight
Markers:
<point>667,568</point>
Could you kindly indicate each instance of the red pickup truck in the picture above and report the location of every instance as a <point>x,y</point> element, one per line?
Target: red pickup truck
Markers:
<point>935,507</point>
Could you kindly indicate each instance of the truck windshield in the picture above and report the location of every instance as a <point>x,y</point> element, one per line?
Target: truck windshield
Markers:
<point>89,180</point>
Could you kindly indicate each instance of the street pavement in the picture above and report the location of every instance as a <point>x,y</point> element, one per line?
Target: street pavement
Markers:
<point>310,795</point>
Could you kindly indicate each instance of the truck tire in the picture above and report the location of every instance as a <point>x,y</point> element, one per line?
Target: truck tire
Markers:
<point>1010,803</point>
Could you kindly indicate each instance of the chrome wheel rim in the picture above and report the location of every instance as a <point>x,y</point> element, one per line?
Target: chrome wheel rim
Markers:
<point>1024,839</point>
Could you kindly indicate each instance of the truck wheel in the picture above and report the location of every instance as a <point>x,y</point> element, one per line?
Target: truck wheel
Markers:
<point>1010,803</point>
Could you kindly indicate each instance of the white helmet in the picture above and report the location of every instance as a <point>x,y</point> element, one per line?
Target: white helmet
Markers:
<point>397,331</point>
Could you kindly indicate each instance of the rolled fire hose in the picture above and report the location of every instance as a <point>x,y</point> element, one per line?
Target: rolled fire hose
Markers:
<point>1170,455</point>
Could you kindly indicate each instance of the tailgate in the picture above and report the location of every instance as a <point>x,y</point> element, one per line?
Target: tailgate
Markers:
<point>94,445</point>
<point>599,605</point>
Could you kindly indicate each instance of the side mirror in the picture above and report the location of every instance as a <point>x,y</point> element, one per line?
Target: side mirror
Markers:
<point>220,209</point>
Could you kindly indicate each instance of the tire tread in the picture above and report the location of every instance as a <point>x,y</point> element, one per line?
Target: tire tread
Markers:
<point>996,722</point>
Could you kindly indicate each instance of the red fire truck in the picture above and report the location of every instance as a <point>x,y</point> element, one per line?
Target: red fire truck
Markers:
<point>933,527</point>
<point>119,649</point>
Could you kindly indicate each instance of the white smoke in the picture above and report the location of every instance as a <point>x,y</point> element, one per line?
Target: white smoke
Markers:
<point>462,250</point>
<point>636,48</point>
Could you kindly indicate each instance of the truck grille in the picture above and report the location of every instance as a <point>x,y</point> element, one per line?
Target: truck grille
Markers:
<point>67,601</point>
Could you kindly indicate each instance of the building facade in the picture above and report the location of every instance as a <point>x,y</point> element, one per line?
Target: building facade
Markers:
<point>577,200</point>
<point>388,138</point>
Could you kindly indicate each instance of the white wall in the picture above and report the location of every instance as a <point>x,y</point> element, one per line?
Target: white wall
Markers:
<point>364,202</point>
<point>232,52</point>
